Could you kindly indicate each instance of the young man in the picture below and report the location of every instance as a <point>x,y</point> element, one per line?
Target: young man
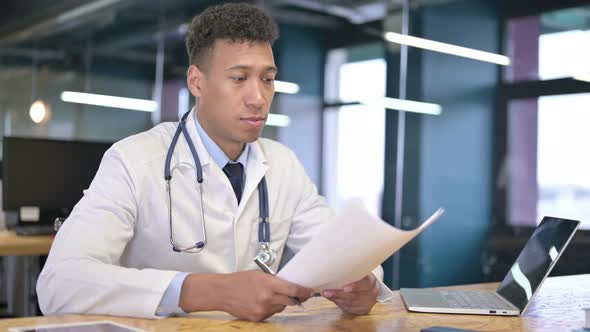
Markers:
<point>114,255</point>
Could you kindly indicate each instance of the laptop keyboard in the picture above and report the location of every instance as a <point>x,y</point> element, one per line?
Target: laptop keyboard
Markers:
<point>473,299</point>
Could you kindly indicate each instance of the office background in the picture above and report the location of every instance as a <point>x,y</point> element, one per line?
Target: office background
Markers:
<point>508,147</point>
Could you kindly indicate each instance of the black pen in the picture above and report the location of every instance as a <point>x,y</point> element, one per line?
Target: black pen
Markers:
<point>268,270</point>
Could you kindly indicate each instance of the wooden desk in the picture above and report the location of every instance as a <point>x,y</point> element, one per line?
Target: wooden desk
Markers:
<point>28,248</point>
<point>14,245</point>
<point>557,307</point>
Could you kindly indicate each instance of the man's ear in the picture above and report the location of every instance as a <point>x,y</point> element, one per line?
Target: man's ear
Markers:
<point>194,79</point>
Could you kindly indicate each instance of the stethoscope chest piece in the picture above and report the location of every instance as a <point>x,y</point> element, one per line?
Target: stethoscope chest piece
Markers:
<point>266,254</point>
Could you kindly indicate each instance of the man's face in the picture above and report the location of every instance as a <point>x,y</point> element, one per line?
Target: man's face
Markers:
<point>235,91</point>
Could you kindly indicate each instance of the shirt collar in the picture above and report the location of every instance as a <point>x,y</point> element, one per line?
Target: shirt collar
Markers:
<point>221,159</point>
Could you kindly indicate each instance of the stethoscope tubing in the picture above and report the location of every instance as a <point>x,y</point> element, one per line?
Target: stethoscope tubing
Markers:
<point>263,225</point>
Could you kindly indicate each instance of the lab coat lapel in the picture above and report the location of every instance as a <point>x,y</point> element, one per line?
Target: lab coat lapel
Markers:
<point>256,169</point>
<point>246,219</point>
<point>210,168</point>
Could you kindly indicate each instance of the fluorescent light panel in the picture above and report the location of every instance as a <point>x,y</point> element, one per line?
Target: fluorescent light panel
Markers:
<point>109,101</point>
<point>405,105</point>
<point>286,87</point>
<point>447,48</point>
<point>278,120</point>
<point>142,105</point>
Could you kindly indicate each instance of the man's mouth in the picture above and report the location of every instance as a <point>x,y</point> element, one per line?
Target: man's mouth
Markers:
<point>254,121</point>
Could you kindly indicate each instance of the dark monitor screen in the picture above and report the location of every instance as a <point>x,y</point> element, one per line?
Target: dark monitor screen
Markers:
<point>47,173</point>
<point>536,260</point>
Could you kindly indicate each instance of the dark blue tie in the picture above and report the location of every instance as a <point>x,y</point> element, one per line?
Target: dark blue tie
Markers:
<point>235,173</point>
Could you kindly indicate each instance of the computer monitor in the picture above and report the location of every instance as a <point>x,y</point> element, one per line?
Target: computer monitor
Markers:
<point>48,174</point>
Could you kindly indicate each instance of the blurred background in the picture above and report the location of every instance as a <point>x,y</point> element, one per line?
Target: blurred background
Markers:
<point>479,106</point>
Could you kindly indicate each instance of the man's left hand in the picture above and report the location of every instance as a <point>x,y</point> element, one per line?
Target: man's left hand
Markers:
<point>357,297</point>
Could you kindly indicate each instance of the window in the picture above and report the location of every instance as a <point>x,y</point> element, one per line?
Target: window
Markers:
<point>549,46</point>
<point>548,162</point>
<point>545,169</point>
<point>354,135</point>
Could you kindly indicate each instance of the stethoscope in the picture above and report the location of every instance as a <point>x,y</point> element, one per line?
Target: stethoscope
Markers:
<point>265,252</point>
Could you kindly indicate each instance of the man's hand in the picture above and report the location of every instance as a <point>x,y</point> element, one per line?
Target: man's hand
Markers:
<point>250,295</point>
<point>355,298</point>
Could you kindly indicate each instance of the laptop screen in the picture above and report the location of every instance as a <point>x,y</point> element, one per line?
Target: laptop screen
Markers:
<point>536,260</point>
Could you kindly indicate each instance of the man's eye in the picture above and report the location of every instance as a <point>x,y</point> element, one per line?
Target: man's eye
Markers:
<point>269,79</point>
<point>238,78</point>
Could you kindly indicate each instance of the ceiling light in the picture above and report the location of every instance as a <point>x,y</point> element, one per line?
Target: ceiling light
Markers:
<point>40,111</point>
<point>278,120</point>
<point>447,48</point>
<point>286,87</point>
<point>405,105</point>
<point>109,101</point>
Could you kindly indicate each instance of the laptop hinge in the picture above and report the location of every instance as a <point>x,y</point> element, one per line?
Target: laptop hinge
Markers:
<point>509,303</point>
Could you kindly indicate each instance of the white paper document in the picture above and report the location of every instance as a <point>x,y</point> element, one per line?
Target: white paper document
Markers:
<point>347,249</point>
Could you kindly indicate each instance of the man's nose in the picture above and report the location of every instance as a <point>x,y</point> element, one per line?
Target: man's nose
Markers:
<point>255,96</point>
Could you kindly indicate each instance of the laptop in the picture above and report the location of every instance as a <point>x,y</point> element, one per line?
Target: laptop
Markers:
<point>519,286</point>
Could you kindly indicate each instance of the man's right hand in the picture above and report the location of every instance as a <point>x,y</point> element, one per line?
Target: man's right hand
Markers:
<point>250,295</point>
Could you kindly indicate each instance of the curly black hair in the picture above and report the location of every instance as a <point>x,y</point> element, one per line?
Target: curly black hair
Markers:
<point>237,22</point>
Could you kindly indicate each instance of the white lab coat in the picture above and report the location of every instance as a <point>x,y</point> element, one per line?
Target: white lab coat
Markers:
<point>113,254</point>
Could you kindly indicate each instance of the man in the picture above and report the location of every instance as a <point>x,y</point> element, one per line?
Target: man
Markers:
<point>114,255</point>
